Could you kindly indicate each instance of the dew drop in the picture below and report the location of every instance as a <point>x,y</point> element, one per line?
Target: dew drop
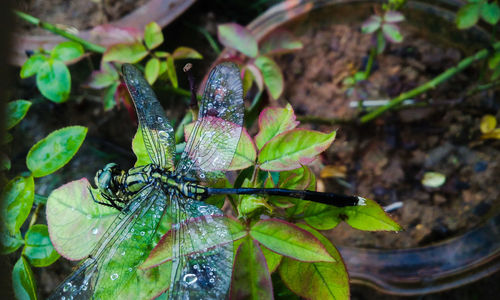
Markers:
<point>130,269</point>
<point>190,279</point>
<point>114,276</point>
<point>95,230</point>
<point>142,233</point>
<point>123,253</point>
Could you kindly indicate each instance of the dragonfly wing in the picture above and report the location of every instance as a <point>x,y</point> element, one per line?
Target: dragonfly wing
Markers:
<point>121,249</point>
<point>157,132</point>
<point>202,252</point>
<point>215,135</point>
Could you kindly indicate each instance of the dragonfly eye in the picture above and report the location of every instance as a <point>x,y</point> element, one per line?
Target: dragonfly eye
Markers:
<point>103,178</point>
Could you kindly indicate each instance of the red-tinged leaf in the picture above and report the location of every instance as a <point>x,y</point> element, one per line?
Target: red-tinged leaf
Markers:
<point>274,121</point>
<point>373,23</point>
<point>186,53</point>
<point>236,228</point>
<point>279,42</point>
<point>256,75</point>
<point>116,35</point>
<point>251,278</point>
<point>76,222</point>
<point>23,280</point>
<point>208,237</point>
<point>271,73</point>
<point>153,37</point>
<point>104,77</point>
<point>393,16</point>
<point>321,216</point>
<point>152,70</point>
<point>123,97</point>
<point>245,154</point>
<point>125,53</point>
<point>289,240</point>
<point>369,217</point>
<point>273,259</point>
<point>235,36</point>
<point>317,280</point>
<point>298,179</point>
<point>392,33</point>
<point>147,284</point>
<point>293,149</point>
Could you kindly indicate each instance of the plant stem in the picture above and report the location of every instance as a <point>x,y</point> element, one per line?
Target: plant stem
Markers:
<point>369,64</point>
<point>34,216</point>
<point>54,29</point>
<point>320,120</point>
<point>429,84</point>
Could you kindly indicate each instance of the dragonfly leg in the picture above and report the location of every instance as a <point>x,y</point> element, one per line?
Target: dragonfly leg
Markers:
<point>110,204</point>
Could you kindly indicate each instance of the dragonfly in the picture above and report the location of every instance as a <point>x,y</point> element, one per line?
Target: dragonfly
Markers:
<point>201,262</point>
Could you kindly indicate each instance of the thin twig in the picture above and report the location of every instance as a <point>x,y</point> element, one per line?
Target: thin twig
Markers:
<point>430,84</point>
<point>54,29</point>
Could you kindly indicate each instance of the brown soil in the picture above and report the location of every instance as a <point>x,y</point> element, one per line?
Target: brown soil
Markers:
<point>386,159</point>
<point>76,13</point>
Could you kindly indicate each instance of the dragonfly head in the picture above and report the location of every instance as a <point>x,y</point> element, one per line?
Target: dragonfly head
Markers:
<point>104,179</point>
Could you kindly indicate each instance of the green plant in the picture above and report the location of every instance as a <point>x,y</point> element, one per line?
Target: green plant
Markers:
<point>52,75</point>
<point>286,242</point>
<point>470,13</point>
<point>18,200</point>
<point>53,78</point>
<point>258,65</point>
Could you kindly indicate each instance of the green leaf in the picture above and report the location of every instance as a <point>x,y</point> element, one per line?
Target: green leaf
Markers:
<point>186,53</point>
<point>109,97</point>
<point>10,242</point>
<point>271,73</point>
<point>235,36</point>
<point>299,179</point>
<point>16,110</point>
<point>490,12</point>
<point>273,259</point>
<point>17,199</point>
<point>392,33</point>
<point>393,16</point>
<point>468,15</point>
<point>236,228</point>
<point>373,23</point>
<point>251,278</point>
<point>321,216</point>
<point>172,74</point>
<point>274,121</point>
<point>289,240</point>
<point>32,65</point>
<point>245,154</point>
<point>75,221</point>
<point>152,70</point>
<point>67,51</point>
<point>153,37</point>
<point>368,217</point>
<point>125,53</point>
<point>38,249</point>
<point>292,149</point>
<point>23,280</point>
<point>381,43</point>
<point>4,162</point>
<point>250,203</point>
<point>139,150</point>
<point>317,280</point>
<point>279,42</point>
<point>54,80</point>
<point>55,150</point>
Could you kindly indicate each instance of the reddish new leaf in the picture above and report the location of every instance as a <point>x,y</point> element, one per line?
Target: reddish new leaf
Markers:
<point>251,278</point>
<point>273,121</point>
